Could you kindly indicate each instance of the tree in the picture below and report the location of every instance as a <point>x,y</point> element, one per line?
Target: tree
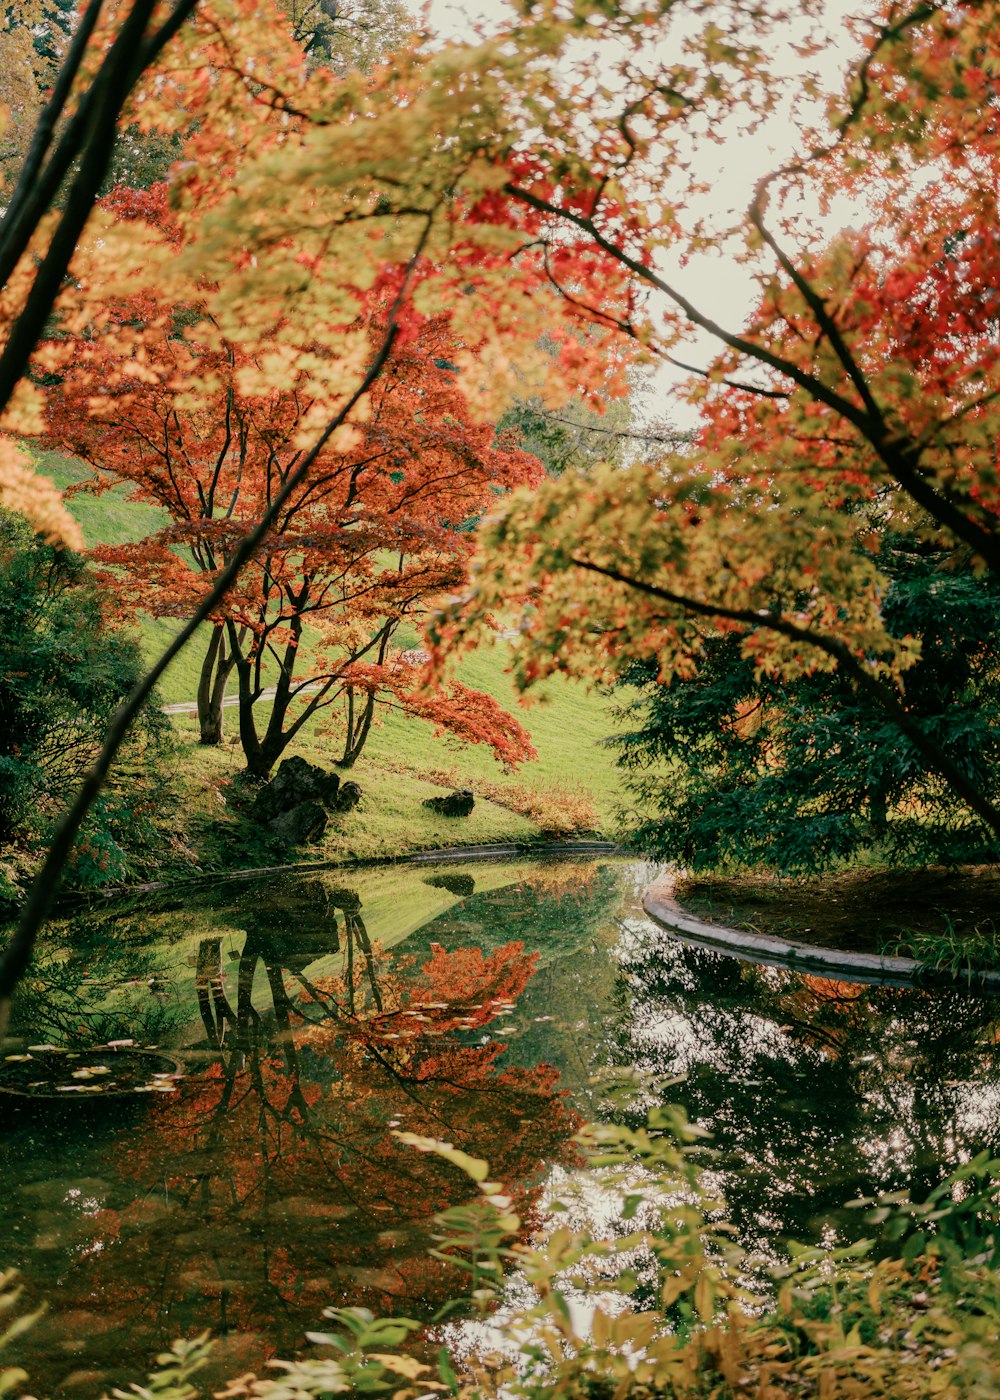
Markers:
<point>34,36</point>
<point>373,534</point>
<point>419,262</point>
<point>866,373</point>
<point>64,669</point>
<point>347,34</point>
<point>734,769</point>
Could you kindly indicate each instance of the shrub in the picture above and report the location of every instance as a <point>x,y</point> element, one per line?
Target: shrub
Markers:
<point>64,669</point>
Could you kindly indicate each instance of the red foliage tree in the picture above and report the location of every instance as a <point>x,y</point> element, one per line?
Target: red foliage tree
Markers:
<point>375,534</point>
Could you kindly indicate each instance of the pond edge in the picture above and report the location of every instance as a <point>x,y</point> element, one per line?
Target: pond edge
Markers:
<point>660,903</point>
<point>500,850</point>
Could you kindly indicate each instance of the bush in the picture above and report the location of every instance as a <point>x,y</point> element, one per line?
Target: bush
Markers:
<point>910,1314</point>
<point>64,669</point>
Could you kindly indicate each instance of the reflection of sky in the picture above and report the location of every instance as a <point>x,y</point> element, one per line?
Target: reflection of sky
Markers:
<point>814,1094</point>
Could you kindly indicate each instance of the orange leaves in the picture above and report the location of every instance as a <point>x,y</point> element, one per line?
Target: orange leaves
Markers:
<point>208,429</point>
<point>627,564</point>
<point>36,498</point>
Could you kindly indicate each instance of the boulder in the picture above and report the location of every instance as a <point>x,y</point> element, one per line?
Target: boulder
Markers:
<point>303,823</point>
<point>348,797</point>
<point>295,782</point>
<point>454,804</point>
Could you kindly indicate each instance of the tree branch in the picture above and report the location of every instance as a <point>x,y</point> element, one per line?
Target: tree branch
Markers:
<point>900,456</point>
<point>884,695</point>
<point>17,956</point>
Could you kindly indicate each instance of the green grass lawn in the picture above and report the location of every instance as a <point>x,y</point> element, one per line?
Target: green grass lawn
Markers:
<point>111,518</point>
<point>403,763</point>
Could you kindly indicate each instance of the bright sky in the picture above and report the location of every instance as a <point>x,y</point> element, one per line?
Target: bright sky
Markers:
<point>716,284</point>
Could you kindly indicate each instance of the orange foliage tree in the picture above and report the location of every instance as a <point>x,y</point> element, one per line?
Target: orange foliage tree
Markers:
<point>226,75</point>
<point>863,382</point>
<point>862,394</point>
<point>375,532</point>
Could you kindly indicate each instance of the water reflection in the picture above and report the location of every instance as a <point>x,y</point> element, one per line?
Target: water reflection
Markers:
<point>815,1091</point>
<point>270,1185</point>
<point>315,1016</point>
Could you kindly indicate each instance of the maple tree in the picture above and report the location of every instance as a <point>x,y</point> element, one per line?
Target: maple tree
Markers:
<point>234,76</point>
<point>864,381</point>
<point>865,372</point>
<point>371,536</point>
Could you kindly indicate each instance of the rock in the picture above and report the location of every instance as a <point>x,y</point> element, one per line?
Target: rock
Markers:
<point>302,824</point>
<point>459,883</point>
<point>348,797</point>
<point>296,782</point>
<point>454,804</point>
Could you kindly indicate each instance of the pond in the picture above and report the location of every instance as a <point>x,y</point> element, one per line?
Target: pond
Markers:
<point>490,1004</point>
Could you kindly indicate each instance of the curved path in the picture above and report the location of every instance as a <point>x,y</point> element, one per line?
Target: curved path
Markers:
<point>660,903</point>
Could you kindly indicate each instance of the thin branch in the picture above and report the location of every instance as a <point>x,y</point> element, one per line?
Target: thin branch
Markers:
<point>17,956</point>
<point>93,130</point>
<point>884,695</point>
<point>900,455</point>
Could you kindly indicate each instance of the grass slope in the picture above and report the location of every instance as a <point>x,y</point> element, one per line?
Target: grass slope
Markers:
<point>573,781</point>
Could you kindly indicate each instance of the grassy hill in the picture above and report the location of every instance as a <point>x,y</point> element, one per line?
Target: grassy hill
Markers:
<point>574,782</point>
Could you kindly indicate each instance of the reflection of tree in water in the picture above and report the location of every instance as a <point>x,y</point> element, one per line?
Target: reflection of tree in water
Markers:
<point>815,1091</point>
<point>271,1186</point>
<point>556,909</point>
<point>263,948</point>
<point>96,981</point>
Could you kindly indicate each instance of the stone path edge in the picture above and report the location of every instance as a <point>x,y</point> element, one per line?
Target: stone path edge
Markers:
<point>660,903</point>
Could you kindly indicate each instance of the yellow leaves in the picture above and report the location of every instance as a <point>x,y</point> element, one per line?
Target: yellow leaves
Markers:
<point>626,564</point>
<point>35,497</point>
<point>23,415</point>
<point>473,1167</point>
<point>407,1366</point>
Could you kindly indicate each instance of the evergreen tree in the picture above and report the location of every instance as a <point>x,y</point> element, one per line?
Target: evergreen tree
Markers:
<point>733,769</point>
<point>63,671</point>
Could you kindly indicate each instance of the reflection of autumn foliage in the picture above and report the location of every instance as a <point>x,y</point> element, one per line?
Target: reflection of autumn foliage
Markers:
<point>280,1188</point>
<point>824,1013</point>
<point>575,878</point>
<point>460,990</point>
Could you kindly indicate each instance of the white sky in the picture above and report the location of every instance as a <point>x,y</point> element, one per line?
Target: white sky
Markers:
<point>717,285</point>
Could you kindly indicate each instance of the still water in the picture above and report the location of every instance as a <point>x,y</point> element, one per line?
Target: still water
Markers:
<point>493,1005</point>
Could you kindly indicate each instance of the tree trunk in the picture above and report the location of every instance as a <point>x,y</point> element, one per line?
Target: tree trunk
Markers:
<point>358,726</point>
<point>261,754</point>
<point>216,669</point>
